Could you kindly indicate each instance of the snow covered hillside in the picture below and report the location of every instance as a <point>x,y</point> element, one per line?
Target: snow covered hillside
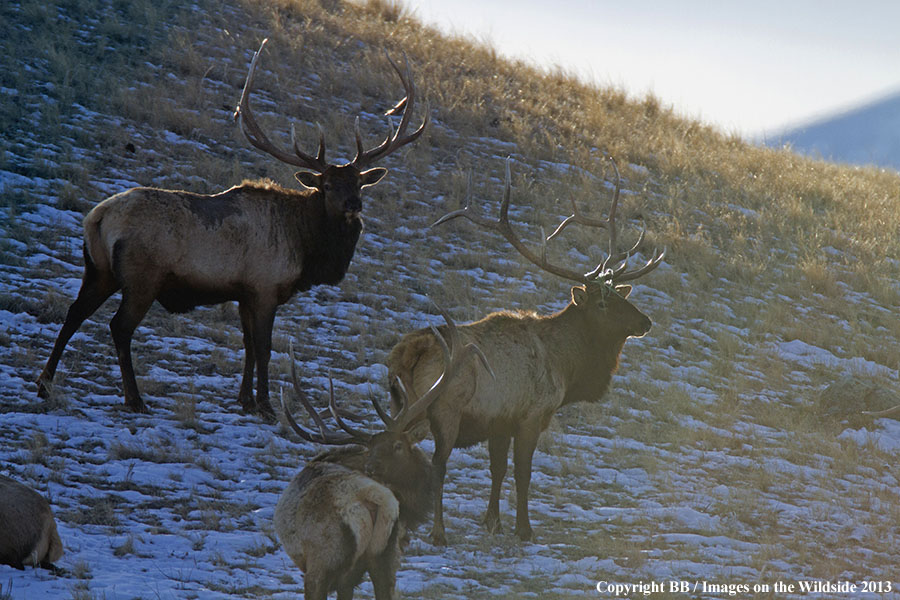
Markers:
<point>729,453</point>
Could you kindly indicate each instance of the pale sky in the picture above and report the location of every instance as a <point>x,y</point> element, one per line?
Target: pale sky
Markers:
<point>748,67</point>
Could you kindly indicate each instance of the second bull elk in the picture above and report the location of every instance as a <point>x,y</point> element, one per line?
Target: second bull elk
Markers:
<point>256,243</point>
<point>347,512</point>
<point>541,362</point>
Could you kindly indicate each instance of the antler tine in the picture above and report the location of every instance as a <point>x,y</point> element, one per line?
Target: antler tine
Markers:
<point>298,391</point>
<point>257,137</point>
<point>307,435</point>
<point>389,422</point>
<point>412,412</point>
<point>320,156</point>
<point>465,211</point>
<point>888,412</point>
<point>577,217</point>
<point>325,436</point>
<point>395,139</point>
<point>454,355</point>
<point>649,266</point>
<point>610,269</point>
<point>620,274</point>
<point>502,225</point>
<point>360,436</point>
<point>455,341</point>
<point>611,218</point>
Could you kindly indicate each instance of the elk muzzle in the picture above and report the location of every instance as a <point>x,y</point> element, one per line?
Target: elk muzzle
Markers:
<point>643,326</point>
<point>352,208</point>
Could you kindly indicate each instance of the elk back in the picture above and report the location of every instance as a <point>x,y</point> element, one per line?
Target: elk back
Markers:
<point>28,534</point>
<point>330,518</point>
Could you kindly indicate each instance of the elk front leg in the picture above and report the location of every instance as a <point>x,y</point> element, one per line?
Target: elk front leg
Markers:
<point>439,463</point>
<point>523,451</point>
<point>498,448</point>
<point>245,395</point>
<point>444,427</point>
<point>264,319</point>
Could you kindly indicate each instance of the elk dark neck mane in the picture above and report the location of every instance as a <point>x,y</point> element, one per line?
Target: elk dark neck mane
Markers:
<point>326,244</point>
<point>415,499</point>
<point>588,355</point>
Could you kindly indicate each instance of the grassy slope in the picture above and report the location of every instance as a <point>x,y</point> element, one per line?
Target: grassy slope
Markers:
<point>765,248</point>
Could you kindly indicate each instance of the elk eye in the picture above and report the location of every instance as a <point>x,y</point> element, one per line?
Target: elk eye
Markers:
<point>327,186</point>
<point>398,447</point>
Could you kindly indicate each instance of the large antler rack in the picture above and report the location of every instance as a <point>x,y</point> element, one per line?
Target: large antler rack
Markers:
<point>395,139</point>
<point>256,136</point>
<point>454,354</point>
<point>613,269</point>
<point>324,435</point>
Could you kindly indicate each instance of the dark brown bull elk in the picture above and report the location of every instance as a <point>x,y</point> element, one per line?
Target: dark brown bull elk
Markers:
<point>256,243</point>
<point>541,362</point>
<point>347,511</point>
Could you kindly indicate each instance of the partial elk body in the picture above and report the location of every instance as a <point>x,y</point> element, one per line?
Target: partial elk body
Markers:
<point>347,512</point>
<point>541,363</point>
<point>28,534</point>
<point>256,243</point>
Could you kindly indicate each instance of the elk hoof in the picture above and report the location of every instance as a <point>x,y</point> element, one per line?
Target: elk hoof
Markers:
<point>438,538</point>
<point>524,532</point>
<point>43,390</point>
<point>248,404</point>
<point>136,406</point>
<point>265,411</point>
<point>492,523</point>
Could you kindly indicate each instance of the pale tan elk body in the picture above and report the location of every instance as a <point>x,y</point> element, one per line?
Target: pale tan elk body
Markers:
<point>541,363</point>
<point>337,524</point>
<point>256,243</point>
<point>28,534</point>
<point>347,512</point>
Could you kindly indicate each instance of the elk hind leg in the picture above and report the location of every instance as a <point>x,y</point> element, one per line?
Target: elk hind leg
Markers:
<point>383,569</point>
<point>523,452</point>
<point>498,448</point>
<point>96,288</point>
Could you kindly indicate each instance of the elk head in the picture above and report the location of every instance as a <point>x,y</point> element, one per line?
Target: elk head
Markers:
<point>340,185</point>
<point>600,295</point>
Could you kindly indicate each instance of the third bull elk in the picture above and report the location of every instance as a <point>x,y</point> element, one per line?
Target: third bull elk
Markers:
<point>256,243</point>
<point>348,510</point>
<point>541,362</point>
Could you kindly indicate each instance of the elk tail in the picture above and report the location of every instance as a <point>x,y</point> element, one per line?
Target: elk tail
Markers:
<point>95,253</point>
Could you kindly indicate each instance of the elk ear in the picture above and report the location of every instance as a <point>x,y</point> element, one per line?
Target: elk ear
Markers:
<point>579,295</point>
<point>309,180</point>
<point>371,177</point>
<point>623,290</point>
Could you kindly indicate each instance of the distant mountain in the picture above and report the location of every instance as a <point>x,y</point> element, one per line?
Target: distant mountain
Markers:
<point>868,135</point>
